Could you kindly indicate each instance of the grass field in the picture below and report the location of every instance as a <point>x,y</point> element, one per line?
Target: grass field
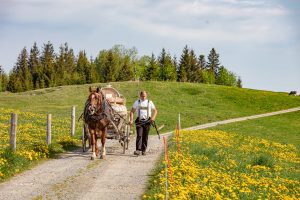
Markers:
<point>255,159</point>
<point>284,128</point>
<point>197,103</point>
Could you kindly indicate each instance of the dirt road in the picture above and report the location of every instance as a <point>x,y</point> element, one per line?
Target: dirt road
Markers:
<point>75,176</point>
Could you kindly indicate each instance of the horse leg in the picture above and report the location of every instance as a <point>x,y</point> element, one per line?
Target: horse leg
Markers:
<point>103,151</point>
<point>93,141</point>
<point>96,146</point>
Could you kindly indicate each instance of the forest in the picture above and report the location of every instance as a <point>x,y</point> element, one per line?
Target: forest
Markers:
<point>43,67</point>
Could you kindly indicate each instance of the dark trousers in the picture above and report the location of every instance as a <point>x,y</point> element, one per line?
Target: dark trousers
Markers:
<point>142,132</point>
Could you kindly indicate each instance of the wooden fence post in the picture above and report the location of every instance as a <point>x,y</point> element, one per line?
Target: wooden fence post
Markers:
<point>73,121</point>
<point>49,116</point>
<point>13,131</point>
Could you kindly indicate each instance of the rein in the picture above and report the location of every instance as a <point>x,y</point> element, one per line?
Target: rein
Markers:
<point>148,121</point>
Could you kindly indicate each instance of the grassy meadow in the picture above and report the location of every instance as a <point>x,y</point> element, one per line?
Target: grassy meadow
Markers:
<point>284,128</point>
<point>197,104</point>
<point>254,159</point>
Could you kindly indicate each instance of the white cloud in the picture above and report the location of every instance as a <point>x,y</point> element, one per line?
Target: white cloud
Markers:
<point>223,20</point>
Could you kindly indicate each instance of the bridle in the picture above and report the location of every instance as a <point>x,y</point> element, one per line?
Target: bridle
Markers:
<point>92,109</point>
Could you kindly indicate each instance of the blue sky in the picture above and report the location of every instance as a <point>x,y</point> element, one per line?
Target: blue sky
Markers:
<point>258,40</point>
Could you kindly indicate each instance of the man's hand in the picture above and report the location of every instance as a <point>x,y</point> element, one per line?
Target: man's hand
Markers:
<point>130,123</point>
<point>152,119</point>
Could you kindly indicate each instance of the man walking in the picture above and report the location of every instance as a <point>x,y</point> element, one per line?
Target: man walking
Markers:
<point>143,108</point>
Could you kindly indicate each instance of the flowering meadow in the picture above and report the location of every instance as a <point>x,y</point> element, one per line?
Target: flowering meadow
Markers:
<point>31,140</point>
<point>209,164</point>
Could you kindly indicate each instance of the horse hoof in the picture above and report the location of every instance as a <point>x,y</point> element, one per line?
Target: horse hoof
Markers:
<point>102,157</point>
<point>92,158</point>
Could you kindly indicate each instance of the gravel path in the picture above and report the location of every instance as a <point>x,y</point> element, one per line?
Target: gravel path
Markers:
<point>75,176</point>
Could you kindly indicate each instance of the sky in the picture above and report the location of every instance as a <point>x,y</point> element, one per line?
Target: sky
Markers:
<point>259,40</point>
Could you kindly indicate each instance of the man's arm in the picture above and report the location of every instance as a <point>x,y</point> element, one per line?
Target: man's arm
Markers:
<point>131,116</point>
<point>154,114</point>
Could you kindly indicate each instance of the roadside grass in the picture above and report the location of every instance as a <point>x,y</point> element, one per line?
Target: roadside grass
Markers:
<point>254,159</point>
<point>283,128</point>
<point>31,141</point>
<point>214,164</point>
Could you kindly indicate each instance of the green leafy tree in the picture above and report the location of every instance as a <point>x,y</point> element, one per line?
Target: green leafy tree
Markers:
<point>170,69</point>
<point>207,77</point>
<point>141,67</point>
<point>226,77</point>
<point>83,69</point>
<point>109,67</point>
<point>126,72</point>
<point>94,73</point>
<point>100,62</point>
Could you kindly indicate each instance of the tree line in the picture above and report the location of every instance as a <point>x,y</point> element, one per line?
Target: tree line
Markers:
<point>35,69</point>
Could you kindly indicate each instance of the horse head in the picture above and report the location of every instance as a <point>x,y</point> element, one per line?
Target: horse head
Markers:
<point>94,102</point>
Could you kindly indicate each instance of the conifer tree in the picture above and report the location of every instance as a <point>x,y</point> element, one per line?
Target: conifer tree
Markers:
<point>48,65</point>
<point>83,69</point>
<point>213,62</point>
<point>60,67</point>
<point>202,62</point>
<point>184,64</point>
<point>239,83</point>
<point>70,65</point>
<point>109,67</point>
<point>151,71</point>
<point>35,67</point>
<point>20,78</point>
<point>3,80</point>
<point>162,65</point>
<point>193,73</point>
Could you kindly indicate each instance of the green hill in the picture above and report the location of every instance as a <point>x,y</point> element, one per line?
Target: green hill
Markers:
<point>197,103</point>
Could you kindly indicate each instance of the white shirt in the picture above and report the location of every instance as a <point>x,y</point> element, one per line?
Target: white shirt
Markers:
<point>141,107</point>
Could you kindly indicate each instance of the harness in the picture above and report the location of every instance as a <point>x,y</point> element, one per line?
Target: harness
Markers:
<point>95,116</point>
<point>143,108</point>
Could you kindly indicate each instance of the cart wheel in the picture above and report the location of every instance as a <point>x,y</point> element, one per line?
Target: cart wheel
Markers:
<point>124,144</point>
<point>83,139</point>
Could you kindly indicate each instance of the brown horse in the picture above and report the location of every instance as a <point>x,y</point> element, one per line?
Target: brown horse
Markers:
<point>96,116</point>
